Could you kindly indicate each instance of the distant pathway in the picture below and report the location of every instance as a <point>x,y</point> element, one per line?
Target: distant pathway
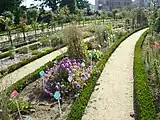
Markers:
<point>20,73</point>
<point>112,98</point>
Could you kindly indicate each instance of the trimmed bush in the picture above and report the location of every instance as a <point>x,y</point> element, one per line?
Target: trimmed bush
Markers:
<point>26,61</point>
<point>145,108</point>
<point>3,55</point>
<point>78,107</point>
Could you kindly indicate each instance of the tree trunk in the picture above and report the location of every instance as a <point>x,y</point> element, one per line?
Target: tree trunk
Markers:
<point>24,36</point>
<point>103,21</point>
<point>35,31</point>
<point>10,38</point>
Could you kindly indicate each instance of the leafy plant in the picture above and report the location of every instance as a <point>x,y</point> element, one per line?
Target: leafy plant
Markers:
<point>101,35</point>
<point>76,47</point>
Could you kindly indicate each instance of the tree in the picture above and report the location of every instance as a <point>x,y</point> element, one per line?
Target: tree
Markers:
<point>18,13</point>
<point>157,25</point>
<point>8,23</point>
<point>114,12</point>
<point>53,4</point>
<point>71,4</point>
<point>81,4</point>
<point>32,16</point>
<point>103,15</point>
<point>63,15</point>
<point>53,20</point>
<point>9,5</point>
<point>141,18</point>
<point>127,23</point>
<point>79,16</point>
<point>22,25</point>
<point>10,15</point>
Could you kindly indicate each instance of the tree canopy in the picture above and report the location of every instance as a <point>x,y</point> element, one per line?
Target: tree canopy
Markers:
<point>53,4</point>
<point>71,4</point>
<point>9,5</point>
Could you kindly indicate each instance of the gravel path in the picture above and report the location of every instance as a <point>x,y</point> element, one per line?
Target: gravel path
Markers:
<point>112,98</point>
<point>20,73</point>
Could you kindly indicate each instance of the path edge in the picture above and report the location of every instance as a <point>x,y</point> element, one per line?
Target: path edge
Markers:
<point>79,105</point>
<point>144,106</point>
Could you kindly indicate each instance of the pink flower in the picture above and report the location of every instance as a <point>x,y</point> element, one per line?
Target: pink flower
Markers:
<point>155,44</point>
<point>14,94</point>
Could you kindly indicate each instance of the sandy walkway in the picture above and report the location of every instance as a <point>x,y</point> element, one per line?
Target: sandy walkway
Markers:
<point>113,97</point>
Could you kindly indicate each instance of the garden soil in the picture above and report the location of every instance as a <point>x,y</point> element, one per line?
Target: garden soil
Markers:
<point>44,107</point>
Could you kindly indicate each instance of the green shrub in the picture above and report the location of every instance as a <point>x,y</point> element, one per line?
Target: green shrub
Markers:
<point>76,46</point>
<point>47,49</point>
<point>23,105</point>
<point>34,46</point>
<point>101,35</point>
<point>78,107</point>
<point>145,108</point>
<point>36,52</point>
<point>91,29</point>
<point>3,55</point>
<point>23,50</point>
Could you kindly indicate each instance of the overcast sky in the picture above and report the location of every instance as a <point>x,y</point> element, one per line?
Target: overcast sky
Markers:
<point>28,2</point>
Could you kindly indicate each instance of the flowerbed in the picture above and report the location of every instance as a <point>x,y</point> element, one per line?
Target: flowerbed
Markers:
<point>84,77</point>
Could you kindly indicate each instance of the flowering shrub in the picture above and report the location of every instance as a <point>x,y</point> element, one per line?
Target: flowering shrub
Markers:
<point>75,72</point>
<point>68,75</point>
<point>76,46</point>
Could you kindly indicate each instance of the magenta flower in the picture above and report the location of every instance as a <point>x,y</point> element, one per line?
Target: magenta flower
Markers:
<point>14,94</point>
<point>79,64</point>
<point>57,88</point>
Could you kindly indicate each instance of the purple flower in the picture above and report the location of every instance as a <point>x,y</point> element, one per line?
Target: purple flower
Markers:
<point>66,65</point>
<point>62,66</point>
<point>83,78</point>
<point>47,71</point>
<point>69,63</point>
<point>79,64</point>
<point>74,60</point>
<point>78,86</point>
<point>75,82</point>
<point>74,63</point>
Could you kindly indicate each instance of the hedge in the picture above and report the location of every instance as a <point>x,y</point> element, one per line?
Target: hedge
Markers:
<point>26,61</point>
<point>79,105</point>
<point>145,109</point>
